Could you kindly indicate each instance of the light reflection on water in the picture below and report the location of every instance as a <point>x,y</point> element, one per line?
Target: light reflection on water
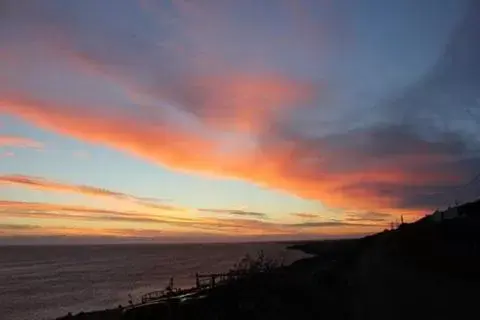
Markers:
<point>50,281</point>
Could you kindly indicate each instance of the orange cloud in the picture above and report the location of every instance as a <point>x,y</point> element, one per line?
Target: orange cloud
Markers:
<point>244,102</point>
<point>121,131</point>
<point>277,164</point>
<point>230,100</point>
<point>18,231</point>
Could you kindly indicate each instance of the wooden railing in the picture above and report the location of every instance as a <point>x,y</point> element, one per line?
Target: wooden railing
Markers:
<point>203,282</point>
<point>212,279</point>
<point>154,295</point>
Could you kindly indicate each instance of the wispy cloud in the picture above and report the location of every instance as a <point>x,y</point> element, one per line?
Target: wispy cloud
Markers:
<point>42,183</point>
<point>74,212</point>
<point>305,215</point>
<point>349,218</point>
<point>28,234</point>
<point>45,184</point>
<point>4,226</point>
<point>19,142</point>
<point>16,230</point>
<point>7,154</point>
<point>236,212</point>
<point>135,219</point>
<point>323,224</point>
<point>368,217</point>
<point>70,212</point>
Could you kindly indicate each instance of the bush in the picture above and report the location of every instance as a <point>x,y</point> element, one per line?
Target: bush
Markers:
<point>259,264</point>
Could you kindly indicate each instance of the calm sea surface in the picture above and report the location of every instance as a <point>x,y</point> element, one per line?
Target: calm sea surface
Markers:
<point>43,282</point>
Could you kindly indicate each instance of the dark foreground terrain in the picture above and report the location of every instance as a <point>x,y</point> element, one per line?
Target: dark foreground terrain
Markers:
<point>423,270</point>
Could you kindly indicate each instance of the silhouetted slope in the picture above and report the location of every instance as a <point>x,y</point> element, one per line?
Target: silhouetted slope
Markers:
<point>426,269</point>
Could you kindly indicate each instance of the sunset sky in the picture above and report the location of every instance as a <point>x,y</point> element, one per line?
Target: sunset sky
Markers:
<point>233,120</point>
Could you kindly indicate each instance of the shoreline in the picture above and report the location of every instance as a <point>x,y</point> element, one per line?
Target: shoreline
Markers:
<point>323,255</point>
<point>116,312</point>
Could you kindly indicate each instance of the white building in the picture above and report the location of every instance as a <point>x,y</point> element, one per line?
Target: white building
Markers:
<point>450,213</point>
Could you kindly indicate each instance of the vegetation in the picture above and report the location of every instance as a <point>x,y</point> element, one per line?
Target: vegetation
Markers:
<point>254,265</point>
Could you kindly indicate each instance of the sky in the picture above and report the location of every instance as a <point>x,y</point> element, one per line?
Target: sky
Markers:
<point>223,120</point>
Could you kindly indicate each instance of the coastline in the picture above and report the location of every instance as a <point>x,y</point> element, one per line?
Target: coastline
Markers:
<point>117,312</point>
<point>425,269</point>
<point>320,254</point>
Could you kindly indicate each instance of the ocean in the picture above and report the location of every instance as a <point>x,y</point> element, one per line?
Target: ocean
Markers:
<point>44,282</point>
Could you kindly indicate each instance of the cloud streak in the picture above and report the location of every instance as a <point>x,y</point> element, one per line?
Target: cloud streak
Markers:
<point>305,215</point>
<point>49,185</point>
<point>4,226</point>
<point>368,217</point>
<point>321,224</point>
<point>172,224</point>
<point>236,212</point>
<point>19,142</point>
